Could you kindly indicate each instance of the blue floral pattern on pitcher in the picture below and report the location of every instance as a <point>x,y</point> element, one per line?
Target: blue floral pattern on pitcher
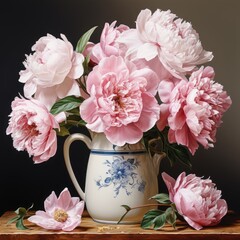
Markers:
<point>121,173</point>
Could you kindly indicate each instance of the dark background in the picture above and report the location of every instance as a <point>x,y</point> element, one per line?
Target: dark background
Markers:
<point>23,22</point>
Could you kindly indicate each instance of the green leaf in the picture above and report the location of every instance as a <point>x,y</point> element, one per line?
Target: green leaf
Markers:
<point>171,216</point>
<point>21,214</point>
<point>153,218</point>
<point>87,69</point>
<point>21,211</point>
<point>159,221</point>
<point>82,42</point>
<point>66,104</point>
<point>75,113</point>
<point>63,131</point>
<point>179,153</point>
<point>20,225</point>
<point>14,219</point>
<point>162,198</point>
<point>74,119</point>
<point>127,208</point>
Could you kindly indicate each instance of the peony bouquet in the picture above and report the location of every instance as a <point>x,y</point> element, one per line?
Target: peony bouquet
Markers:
<point>136,83</point>
<point>146,82</point>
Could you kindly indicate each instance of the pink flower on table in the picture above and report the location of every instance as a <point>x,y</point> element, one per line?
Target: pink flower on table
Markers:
<point>193,109</point>
<point>32,129</point>
<point>163,37</point>
<point>107,45</point>
<point>196,199</point>
<point>51,70</point>
<point>62,213</point>
<point>121,102</point>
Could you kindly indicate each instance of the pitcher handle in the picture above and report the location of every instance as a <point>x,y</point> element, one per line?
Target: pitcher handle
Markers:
<point>66,147</point>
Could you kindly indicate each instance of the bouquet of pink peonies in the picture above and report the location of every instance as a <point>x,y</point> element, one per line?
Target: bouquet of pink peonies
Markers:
<point>135,83</point>
<point>146,82</point>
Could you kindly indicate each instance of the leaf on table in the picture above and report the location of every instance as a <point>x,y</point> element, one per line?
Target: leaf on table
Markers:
<point>21,215</point>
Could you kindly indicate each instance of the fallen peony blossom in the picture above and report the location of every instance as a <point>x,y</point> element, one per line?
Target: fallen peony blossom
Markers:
<point>62,213</point>
<point>196,199</point>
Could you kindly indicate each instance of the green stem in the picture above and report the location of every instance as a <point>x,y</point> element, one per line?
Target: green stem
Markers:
<point>81,84</point>
<point>142,206</point>
<point>163,140</point>
<point>151,205</point>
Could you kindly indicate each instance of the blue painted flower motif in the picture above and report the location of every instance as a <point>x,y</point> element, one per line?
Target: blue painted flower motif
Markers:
<point>122,174</point>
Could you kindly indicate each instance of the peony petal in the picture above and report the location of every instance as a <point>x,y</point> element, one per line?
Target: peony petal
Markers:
<point>77,66</point>
<point>64,200</point>
<point>147,51</point>
<point>77,209</point>
<point>88,112</point>
<point>125,134</point>
<point>50,202</point>
<point>150,113</point>
<point>29,89</point>
<point>184,137</point>
<point>130,39</point>
<point>42,214</point>
<point>152,84</point>
<point>75,201</point>
<point>47,97</point>
<point>67,88</point>
<point>71,223</point>
<point>60,117</point>
<point>192,223</point>
<point>165,89</point>
<point>170,182</point>
<point>47,223</point>
<point>142,18</point>
<point>186,201</point>
<point>164,113</point>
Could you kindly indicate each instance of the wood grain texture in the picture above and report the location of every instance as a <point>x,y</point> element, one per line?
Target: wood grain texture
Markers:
<point>228,229</point>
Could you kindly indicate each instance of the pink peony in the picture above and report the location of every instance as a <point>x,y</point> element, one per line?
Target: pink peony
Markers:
<point>62,213</point>
<point>193,109</point>
<point>163,37</point>
<point>196,199</point>
<point>32,129</point>
<point>121,102</point>
<point>107,45</point>
<point>51,70</point>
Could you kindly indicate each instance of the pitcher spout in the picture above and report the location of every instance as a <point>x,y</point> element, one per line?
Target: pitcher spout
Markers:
<point>155,150</point>
<point>156,159</point>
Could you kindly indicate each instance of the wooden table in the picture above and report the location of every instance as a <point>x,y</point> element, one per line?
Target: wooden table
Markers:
<point>228,229</point>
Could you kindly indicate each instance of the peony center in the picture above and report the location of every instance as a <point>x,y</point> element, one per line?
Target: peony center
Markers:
<point>60,215</point>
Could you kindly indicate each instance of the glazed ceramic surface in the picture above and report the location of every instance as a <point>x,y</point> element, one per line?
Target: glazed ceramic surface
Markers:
<point>115,176</point>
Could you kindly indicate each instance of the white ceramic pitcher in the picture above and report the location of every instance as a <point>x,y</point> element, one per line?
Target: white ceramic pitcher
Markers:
<point>115,176</point>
